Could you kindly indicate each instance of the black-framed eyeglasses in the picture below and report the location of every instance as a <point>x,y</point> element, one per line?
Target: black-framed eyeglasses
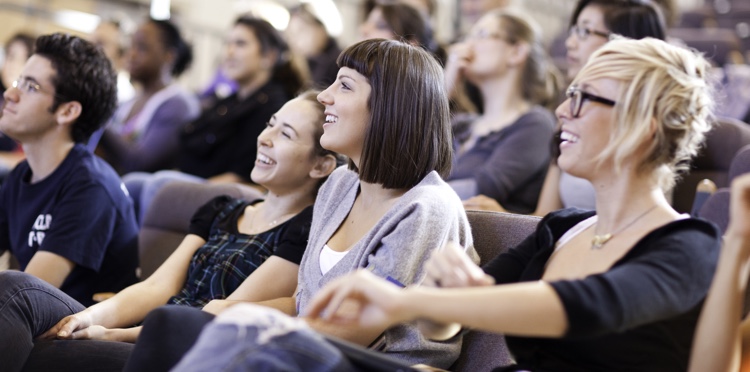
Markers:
<point>582,33</point>
<point>577,96</point>
<point>27,85</point>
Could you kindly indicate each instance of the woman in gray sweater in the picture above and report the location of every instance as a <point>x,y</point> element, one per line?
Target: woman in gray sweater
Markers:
<point>386,212</point>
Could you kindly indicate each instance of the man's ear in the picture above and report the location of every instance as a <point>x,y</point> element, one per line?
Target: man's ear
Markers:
<point>323,166</point>
<point>68,112</point>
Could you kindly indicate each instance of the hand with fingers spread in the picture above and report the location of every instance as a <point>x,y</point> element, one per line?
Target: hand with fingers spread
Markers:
<point>360,298</point>
<point>450,267</point>
<point>483,203</point>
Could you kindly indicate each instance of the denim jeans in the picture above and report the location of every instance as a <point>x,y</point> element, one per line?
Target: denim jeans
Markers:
<point>254,338</point>
<point>29,307</point>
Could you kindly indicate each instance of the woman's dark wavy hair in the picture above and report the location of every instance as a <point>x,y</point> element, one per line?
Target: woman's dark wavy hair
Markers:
<point>82,74</point>
<point>409,24</point>
<point>634,19</point>
<point>171,39</point>
<point>408,135</point>
<point>271,39</point>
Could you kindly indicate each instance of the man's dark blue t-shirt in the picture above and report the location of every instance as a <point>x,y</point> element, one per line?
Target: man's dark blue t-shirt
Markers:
<point>81,212</point>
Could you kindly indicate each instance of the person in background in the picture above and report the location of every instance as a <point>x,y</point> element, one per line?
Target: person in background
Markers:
<point>17,50</point>
<point>143,134</point>
<point>400,21</point>
<point>592,25</point>
<point>308,38</point>
<point>110,36</point>
<point>220,145</point>
<point>504,152</point>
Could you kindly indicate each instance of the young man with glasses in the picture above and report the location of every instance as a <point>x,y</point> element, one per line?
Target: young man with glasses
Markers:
<point>64,213</point>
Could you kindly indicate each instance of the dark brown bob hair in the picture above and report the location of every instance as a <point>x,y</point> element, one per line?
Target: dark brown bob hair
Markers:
<point>409,134</point>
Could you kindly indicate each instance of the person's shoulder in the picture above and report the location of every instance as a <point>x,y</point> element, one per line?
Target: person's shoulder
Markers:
<point>89,170</point>
<point>560,221</point>
<point>540,116</point>
<point>692,232</point>
<point>340,180</point>
<point>434,194</point>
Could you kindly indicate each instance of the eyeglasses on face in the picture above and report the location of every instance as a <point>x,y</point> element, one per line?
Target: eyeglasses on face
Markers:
<point>577,96</point>
<point>28,85</point>
<point>483,34</point>
<point>582,33</point>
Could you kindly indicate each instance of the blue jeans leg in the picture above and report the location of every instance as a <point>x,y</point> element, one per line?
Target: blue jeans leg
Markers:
<point>263,347</point>
<point>28,308</point>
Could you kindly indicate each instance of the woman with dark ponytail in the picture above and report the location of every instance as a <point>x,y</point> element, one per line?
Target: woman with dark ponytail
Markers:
<point>220,146</point>
<point>142,135</point>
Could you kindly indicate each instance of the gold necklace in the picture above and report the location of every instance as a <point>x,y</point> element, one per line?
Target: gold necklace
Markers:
<point>598,241</point>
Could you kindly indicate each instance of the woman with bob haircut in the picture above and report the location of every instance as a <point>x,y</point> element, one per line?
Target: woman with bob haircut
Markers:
<point>385,212</point>
<point>615,289</point>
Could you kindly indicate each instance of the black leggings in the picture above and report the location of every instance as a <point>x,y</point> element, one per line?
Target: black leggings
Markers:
<point>168,333</point>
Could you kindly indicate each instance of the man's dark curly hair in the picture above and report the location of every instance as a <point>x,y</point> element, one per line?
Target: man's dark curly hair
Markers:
<point>83,74</point>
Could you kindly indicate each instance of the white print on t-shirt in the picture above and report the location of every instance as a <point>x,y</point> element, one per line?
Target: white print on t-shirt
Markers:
<point>37,233</point>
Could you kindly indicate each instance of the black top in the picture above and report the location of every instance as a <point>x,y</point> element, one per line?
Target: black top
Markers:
<point>228,257</point>
<point>224,138</point>
<point>640,315</point>
<point>323,67</point>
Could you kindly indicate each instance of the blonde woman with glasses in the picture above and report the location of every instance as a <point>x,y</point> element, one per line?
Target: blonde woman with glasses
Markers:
<point>619,288</point>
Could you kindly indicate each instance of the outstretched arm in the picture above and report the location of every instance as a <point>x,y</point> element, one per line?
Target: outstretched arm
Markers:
<point>531,309</point>
<point>130,306</point>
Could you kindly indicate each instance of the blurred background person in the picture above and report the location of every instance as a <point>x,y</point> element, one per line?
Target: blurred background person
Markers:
<point>143,133</point>
<point>504,152</point>
<point>396,20</point>
<point>220,145</point>
<point>308,38</point>
<point>17,50</point>
<point>114,41</point>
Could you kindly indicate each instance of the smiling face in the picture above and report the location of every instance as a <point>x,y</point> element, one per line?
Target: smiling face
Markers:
<point>244,59</point>
<point>586,136</point>
<point>286,148</point>
<point>347,114</point>
<point>579,50</point>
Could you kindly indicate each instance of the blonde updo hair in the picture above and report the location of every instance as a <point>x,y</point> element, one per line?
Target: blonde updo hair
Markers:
<point>663,84</point>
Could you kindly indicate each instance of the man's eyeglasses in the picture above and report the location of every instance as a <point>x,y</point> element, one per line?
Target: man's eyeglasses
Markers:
<point>577,96</point>
<point>582,33</point>
<point>27,85</point>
